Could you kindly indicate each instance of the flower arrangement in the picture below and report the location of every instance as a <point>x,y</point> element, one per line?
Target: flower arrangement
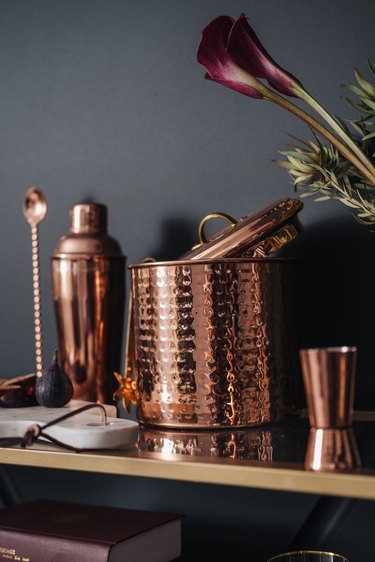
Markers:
<point>339,162</point>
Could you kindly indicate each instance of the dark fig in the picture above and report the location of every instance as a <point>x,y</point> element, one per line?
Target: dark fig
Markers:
<point>54,388</point>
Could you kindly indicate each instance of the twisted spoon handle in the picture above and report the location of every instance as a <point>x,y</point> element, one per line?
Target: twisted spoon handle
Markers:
<point>37,300</point>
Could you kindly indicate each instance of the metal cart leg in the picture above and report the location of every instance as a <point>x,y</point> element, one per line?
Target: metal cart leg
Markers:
<point>8,492</point>
<point>323,522</point>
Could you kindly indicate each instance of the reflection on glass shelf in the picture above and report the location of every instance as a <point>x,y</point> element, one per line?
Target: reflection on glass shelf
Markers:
<point>268,457</point>
<point>285,441</point>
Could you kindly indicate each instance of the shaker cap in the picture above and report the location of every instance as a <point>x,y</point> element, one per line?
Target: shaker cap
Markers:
<point>88,234</point>
<point>88,218</point>
<point>256,235</point>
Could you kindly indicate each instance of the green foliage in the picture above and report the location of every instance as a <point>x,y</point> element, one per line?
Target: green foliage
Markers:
<point>319,170</point>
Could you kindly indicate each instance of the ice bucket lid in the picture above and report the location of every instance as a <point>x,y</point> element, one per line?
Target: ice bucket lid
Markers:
<point>259,234</point>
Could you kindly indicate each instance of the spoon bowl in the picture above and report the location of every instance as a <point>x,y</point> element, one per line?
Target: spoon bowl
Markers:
<point>35,206</point>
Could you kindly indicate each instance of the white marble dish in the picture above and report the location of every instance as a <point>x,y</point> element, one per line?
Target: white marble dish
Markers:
<point>83,431</point>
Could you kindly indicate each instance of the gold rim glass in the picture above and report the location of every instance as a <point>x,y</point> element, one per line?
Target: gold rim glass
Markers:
<point>289,556</point>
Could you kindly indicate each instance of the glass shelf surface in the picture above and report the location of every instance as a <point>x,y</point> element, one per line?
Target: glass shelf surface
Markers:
<point>269,457</point>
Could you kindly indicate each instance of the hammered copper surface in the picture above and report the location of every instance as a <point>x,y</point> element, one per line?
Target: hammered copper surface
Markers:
<point>214,342</point>
<point>275,241</point>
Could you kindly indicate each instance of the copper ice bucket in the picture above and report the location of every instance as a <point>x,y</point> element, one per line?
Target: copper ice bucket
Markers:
<point>214,342</point>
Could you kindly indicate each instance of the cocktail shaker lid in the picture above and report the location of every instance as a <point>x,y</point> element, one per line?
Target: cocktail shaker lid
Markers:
<point>88,234</point>
<point>88,217</point>
<point>256,235</point>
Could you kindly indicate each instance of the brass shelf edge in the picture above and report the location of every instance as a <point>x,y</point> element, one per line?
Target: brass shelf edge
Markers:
<point>364,415</point>
<point>210,471</point>
<point>358,415</point>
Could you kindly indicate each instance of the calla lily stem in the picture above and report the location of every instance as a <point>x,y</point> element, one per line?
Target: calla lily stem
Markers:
<point>336,127</point>
<point>367,171</point>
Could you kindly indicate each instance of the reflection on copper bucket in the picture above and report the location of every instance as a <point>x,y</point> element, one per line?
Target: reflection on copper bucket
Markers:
<point>214,342</point>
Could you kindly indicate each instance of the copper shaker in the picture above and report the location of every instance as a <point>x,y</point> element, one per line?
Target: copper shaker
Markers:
<point>88,279</point>
<point>329,376</point>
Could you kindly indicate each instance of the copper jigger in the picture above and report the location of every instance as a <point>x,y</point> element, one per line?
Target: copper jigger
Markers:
<point>329,377</point>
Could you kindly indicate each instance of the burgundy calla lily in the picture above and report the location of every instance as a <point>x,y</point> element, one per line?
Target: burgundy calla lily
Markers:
<point>234,57</point>
<point>212,53</point>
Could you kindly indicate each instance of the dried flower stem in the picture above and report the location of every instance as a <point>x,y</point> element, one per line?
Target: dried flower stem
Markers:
<point>336,127</point>
<point>369,174</point>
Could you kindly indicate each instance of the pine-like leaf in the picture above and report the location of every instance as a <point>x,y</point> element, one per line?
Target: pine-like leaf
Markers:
<point>366,86</point>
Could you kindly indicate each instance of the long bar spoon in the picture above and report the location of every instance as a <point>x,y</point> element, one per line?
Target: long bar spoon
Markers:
<point>34,210</point>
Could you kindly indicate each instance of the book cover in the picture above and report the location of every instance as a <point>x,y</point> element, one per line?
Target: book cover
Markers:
<point>49,531</point>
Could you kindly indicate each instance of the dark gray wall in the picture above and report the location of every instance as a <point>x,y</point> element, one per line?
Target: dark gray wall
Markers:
<point>103,100</point>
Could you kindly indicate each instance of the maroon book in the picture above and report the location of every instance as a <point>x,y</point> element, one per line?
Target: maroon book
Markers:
<point>47,531</point>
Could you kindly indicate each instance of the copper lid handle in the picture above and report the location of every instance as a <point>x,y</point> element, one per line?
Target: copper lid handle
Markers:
<point>264,228</point>
<point>203,239</point>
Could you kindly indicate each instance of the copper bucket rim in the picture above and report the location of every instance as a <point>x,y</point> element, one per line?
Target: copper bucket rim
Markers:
<point>209,261</point>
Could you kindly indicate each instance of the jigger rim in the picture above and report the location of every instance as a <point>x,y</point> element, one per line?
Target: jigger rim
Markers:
<point>331,349</point>
<point>343,558</point>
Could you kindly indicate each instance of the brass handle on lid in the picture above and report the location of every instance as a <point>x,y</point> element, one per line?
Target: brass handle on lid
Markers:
<point>255,235</point>
<point>201,233</point>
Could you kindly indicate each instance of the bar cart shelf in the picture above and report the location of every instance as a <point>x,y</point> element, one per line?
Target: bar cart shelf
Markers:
<point>280,473</point>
